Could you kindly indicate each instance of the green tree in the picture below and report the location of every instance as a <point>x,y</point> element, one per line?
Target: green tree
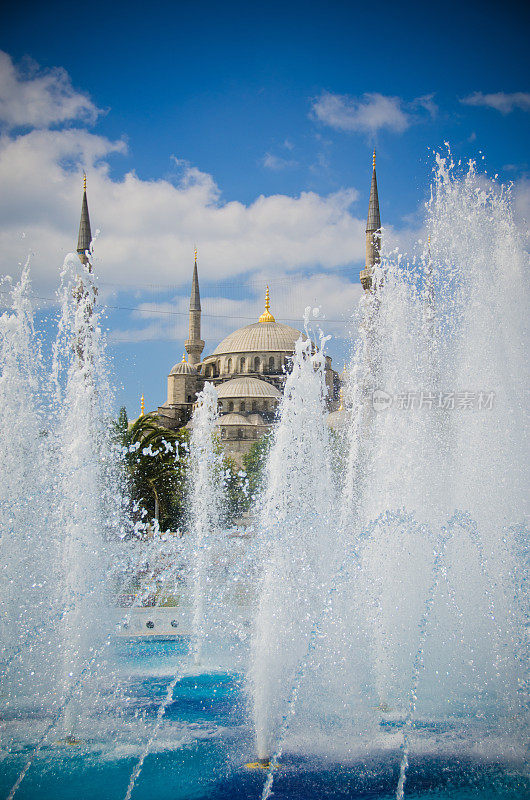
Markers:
<point>156,463</point>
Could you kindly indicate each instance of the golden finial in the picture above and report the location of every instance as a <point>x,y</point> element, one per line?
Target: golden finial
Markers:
<point>341,397</point>
<point>429,240</point>
<point>195,255</point>
<point>373,159</point>
<point>142,406</point>
<point>183,358</point>
<point>267,316</point>
<point>84,181</point>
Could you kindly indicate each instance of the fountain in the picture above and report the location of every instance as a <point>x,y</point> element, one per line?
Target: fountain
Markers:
<point>419,648</point>
<point>367,638</point>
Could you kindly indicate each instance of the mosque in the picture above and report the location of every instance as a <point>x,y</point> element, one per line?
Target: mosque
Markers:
<point>249,366</point>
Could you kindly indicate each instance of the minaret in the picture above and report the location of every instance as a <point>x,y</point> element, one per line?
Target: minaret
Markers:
<point>85,290</point>
<point>195,345</point>
<point>373,234</point>
<point>85,235</point>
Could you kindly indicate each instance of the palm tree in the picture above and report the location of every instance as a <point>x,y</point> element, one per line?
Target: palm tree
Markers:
<point>156,461</point>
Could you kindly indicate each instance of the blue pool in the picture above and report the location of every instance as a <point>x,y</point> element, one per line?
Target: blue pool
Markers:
<point>204,741</point>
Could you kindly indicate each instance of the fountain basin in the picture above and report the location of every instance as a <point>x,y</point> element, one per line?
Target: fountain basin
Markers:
<point>206,739</point>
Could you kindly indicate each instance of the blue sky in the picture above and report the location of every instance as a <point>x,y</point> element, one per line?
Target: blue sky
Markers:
<point>246,130</point>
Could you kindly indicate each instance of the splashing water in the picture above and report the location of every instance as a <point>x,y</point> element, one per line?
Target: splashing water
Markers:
<point>82,512</point>
<point>296,516</point>
<point>425,626</point>
<point>205,501</point>
<point>387,562</point>
<point>27,576</point>
<point>58,506</point>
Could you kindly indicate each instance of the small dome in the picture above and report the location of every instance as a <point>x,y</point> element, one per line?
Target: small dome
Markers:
<point>247,387</point>
<point>183,368</point>
<point>233,419</point>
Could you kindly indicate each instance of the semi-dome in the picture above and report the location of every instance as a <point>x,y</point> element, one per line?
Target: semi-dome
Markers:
<point>183,368</point>
<point>247,387</point>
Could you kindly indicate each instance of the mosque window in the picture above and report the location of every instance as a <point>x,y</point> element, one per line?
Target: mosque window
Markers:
<point>174,623</point>
<point>189,398</point>
<point>242,406</point>
<point>230,406</point>
<point>218,365</point>
<point>223,433</point>
<point>149,624</point>
<point>239,433</point>
<point>265,405</point>
<point>254,405</point>
<point>242,365</point>
<point>271,363</point>
<point>257,364</point>
<point>229,365</point>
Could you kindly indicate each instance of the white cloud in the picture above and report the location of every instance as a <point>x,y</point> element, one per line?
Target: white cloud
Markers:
<point>276,163</point>
<point>501,101</point>
<point>427,103</point>
<point>149,228</point>
<point>40,98</point>
<point>370,113</point>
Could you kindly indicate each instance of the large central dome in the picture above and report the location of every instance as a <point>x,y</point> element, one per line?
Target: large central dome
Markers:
<point>264,336</point>
<point>260,337</point>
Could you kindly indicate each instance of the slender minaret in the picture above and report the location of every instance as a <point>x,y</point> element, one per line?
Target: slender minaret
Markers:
<point>373,234</point>
<point>85,290</point>
<point>85,234</point>
<point>194,345</point>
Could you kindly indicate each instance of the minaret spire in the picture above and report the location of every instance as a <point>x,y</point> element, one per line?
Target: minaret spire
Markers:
<point>194,344</point>
<point>373,233</point>
<point>85,234</point>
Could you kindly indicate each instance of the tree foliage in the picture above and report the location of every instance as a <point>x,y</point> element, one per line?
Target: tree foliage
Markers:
<point>156,462</point>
